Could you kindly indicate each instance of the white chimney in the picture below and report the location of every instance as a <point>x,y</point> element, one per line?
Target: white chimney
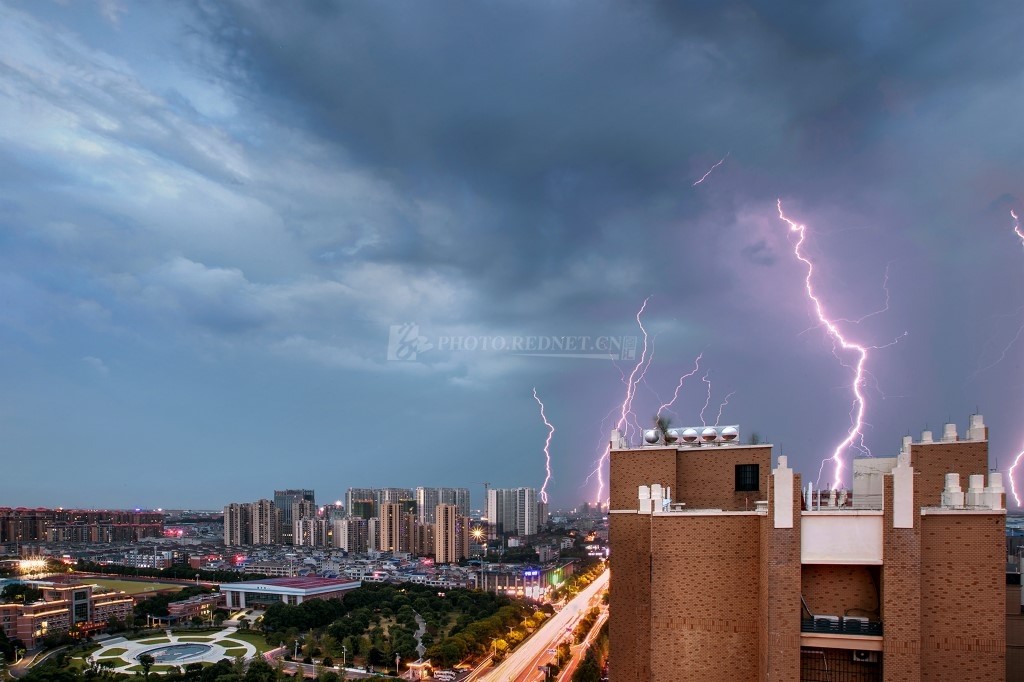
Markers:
<point>949,433</point>
<point>645,499</point>
<point>926,436</point>
<point>616,439</point>
<point>907,440</point>
<point>952,496</point>
<point>657,497</point>
<point>976,490</point>
<point>976,428</point>
<point>994,492</point>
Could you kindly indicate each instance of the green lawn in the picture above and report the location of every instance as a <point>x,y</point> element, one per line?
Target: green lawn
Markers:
<point>155,640</point>
<point>155,668</point>
<point>231,653</point>
<point>253,638</point>
<point>116,651</point>
<point>195,639</point>
<point>131,586</point>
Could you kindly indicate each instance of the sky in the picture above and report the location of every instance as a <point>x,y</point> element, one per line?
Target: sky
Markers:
<point>248,246</point>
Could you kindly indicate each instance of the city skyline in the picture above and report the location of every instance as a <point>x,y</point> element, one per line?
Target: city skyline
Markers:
<point>248,246</point>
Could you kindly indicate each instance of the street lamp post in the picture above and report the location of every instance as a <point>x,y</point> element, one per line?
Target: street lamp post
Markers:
<point>344,652</point>
<point>398,659</point>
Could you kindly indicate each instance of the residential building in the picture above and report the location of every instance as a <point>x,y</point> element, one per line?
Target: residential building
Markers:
<point>361,502</point>
<point>731,571</point>
<point>427,500</point>
<point>311,532</point>
<point>512,511</point>
<point>18,525</point>
<point>396,528</point>
<point>238,524</point>
<point>284,501</point>
<point>265,520</point>
<point>351,535</point>
<point>451,534</point>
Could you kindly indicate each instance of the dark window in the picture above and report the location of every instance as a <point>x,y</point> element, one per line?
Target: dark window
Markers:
<point>747,477</point>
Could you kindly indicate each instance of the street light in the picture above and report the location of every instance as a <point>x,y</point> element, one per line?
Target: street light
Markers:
<point>344,652</point>
<point>397,659</point>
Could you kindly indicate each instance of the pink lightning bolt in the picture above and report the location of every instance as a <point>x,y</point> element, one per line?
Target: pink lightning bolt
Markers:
<point>707,402</point>
<point>711,170</point>
<point>635,377</point>
<point>547,450</point>
<point>1020,456</point>
<point>675,395</point>
<point>857,413</point>
<point>721,408</point>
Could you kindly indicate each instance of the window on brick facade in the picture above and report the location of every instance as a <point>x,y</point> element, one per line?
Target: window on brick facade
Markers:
<point>747,477</point>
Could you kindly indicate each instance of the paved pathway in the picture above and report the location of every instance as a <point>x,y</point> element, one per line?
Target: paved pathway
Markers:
<point>420,649</point>
<point>126,651</point>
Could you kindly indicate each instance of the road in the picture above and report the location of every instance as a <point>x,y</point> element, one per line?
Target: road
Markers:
<point>522,664</point>
<point>578,652</point>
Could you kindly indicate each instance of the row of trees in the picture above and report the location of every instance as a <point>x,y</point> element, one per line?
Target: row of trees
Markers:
<point>254,670</point>
<point>171,572</point>
<point>376,622</point>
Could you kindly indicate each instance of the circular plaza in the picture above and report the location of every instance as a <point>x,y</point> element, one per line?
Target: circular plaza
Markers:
<point>172,650</point>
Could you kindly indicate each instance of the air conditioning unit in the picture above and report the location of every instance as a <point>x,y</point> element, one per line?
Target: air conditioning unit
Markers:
<point>861,656</point>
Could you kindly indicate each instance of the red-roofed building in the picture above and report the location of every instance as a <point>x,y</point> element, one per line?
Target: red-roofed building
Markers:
<point>257,593</point>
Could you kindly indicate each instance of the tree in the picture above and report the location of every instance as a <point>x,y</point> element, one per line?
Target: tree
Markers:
<point>146,661</point>
<point>260,671</point>
<point>20,592</point>
<point>662,425</point>
<point>589,670</point>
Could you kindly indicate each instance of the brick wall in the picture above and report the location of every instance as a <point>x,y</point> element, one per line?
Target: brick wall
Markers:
<point>843,590</point>
<point>779,641</point>
<point>705,610</point>
<point>932,461</point>
<point>706,477</point>
<point>631,469</point>
<point>963,581</point>
<point>629,597</point>
<point>901,595</point>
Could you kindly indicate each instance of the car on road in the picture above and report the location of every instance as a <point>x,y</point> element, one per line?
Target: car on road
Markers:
<point>552,652</point>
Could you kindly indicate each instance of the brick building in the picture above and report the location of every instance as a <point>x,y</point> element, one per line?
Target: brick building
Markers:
<point>63,608</point>
<point>725,569</point>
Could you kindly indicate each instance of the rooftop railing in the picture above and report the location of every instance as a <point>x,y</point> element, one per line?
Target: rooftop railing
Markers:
<point>841,625</point>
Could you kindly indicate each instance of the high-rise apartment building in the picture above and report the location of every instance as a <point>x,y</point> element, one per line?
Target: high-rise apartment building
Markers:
<point>78,525</point>
<point>238,524</point>
<point>265,529</point>
<point>360,502</point>
<point>384,496</point>
<point>352,535</point>
<point>311,532</point>
<point>451,534</point>
<point>427,500</point>
<point>726,569</point>
<point>397,527</point>
<point>285,500</point>
<point>512,511</point>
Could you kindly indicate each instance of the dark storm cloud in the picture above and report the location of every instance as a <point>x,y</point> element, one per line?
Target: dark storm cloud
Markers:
<point>234,202</point>
<point>536,123</point>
